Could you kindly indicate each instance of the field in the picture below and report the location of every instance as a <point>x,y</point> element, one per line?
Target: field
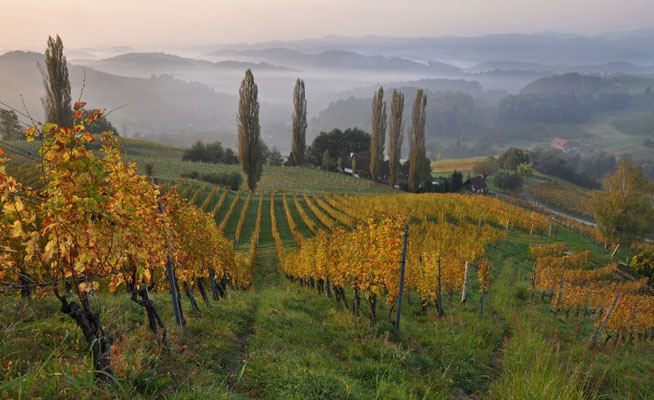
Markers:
<point>547,190</point>
<point>273,178</point>
<point>289,336</point>
<point>168,165</point>
<point>563,196</point>
<point>452,164</point>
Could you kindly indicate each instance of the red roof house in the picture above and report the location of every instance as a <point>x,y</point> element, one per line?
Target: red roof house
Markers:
<point>561,144</point>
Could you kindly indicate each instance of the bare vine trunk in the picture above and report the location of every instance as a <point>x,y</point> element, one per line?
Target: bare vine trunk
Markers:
<point>91,327</point>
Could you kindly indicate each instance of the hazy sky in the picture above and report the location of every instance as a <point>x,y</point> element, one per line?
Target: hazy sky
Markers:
<point>161,22</point>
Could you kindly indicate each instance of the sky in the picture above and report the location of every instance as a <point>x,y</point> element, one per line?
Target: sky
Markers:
<point>27,23</point>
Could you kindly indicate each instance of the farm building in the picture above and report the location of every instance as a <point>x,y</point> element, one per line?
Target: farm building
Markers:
<point>476,184</point>
<point>561,144</point>
<point>362,165</point>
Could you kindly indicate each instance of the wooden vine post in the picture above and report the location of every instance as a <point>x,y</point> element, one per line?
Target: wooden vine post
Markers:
<point>598,335</point>
<point>399,295</point>
<point>440,298</point>
<point>533,282</point>
<point>465,285</point>
<point>617,246</point>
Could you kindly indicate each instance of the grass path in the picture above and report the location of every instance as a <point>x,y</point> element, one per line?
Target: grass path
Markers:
<point>301,345</point>
<point>304,346</point>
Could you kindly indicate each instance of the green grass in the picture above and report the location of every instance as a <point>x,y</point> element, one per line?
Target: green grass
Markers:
<point>283,341</point>
<point>292,179</point>
<point>280,340</point>
<point>168,165</point>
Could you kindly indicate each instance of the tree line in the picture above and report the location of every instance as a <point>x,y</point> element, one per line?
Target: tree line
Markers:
<point>337,144</point>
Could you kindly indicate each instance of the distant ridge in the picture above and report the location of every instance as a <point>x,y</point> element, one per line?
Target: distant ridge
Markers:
<point>165,60</point>
<point>549,48</point>
<point>335,59</point>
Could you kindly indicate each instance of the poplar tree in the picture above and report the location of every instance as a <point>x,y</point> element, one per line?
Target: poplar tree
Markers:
<point>377,134</point>
<point>298,146</point>
<point>56,102</point>
<point>395,135</point>
<point>417,153</point>
<point>250,146</point>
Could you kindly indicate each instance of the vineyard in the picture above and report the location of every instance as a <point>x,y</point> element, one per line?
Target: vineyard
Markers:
<point>296,292</point>
<point>621,310</point>
<point>454,164</point>
<point>563,196</point>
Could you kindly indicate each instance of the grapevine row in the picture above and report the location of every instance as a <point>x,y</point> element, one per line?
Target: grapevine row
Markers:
<point>97,221</point>
<point>241,220</point>
<point>321,216</point>
<point>305,218</point>
<point>207,202</point>
<point>279,244</point>
<point>291,223</point>
<point>230,211</point>
<point>617,307</point>
<point>216,209</point>
<point>334,213</point>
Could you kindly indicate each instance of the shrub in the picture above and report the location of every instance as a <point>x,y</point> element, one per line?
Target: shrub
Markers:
<point>211,153</point>
<point>190,174</point>
<point>525,170</point>
<point>232,179</point>
<point>508,181</point>
<point>513,157</point>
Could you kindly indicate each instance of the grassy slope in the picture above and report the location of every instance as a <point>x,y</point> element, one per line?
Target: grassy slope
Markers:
<point>449,165</point>
<point>168,165</point>
<point>280,340</point>
<point>553,192</point>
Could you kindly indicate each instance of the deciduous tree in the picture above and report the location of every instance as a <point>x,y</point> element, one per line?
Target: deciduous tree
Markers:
<point>624,211</point>
<point>485,167</point>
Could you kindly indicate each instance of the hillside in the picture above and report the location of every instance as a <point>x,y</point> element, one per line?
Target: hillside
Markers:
<point>145,64</point>
<point>335,60</point>
<point>575,83</point>
<point>280,339</point>
<point>173,61</point>
<point>609,68</point>
<point>168,166</point>
<point>463,122</point>
<point>470,87</point>
<point>156,105</point>
<point>548,191</point>
<point>316,322</point>
<point>634,46</point>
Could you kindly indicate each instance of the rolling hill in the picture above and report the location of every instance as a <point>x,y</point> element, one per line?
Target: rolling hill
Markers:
<point>163,63</point>
<point>156,105</point>
<point>336,60</point>
<point>634,47</point>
